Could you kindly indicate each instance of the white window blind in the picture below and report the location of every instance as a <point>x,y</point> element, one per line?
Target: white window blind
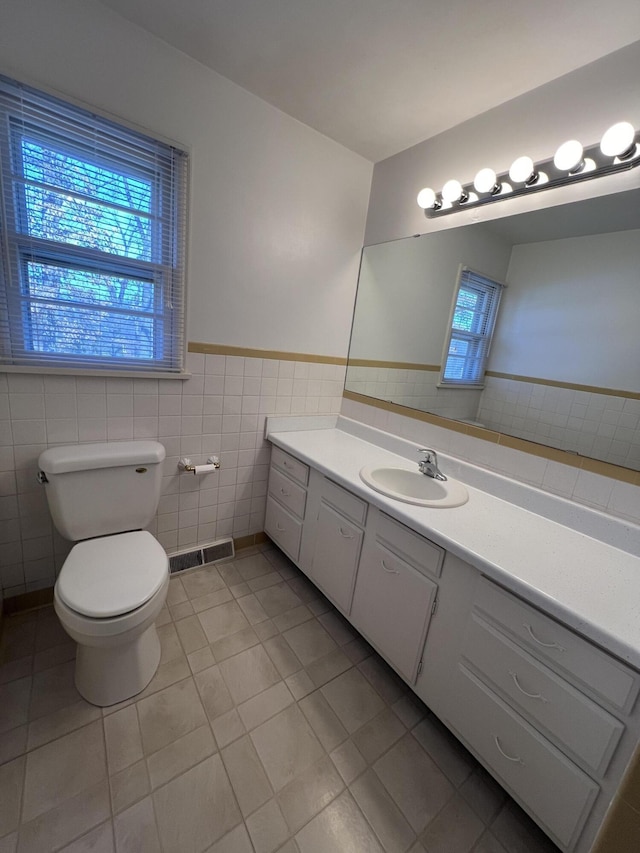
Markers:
<point>472,323</point>
<point>93,221</point>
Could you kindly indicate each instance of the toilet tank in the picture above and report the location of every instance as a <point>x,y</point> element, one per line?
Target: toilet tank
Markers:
<point>98,489</point>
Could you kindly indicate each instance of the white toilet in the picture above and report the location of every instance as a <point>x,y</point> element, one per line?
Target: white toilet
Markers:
<point>115,579</point>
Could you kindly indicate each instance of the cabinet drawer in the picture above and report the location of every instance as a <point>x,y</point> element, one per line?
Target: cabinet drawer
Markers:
<point>290,465</point>
<point>415,549</point>
<point>345,502</point>
<point>560,647</point>
<point>392,605</point>
<point>283,528</point>
<point>574,721</point>
<point>553,789</point>
<point>294,497</point>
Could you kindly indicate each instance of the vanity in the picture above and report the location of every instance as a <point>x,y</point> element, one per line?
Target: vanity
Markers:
<point>520,633</point>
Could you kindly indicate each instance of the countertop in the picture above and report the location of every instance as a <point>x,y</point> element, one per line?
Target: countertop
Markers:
<point>585,583</point>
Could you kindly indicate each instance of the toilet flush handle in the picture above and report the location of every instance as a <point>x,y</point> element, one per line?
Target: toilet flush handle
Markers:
<point>41,477</point>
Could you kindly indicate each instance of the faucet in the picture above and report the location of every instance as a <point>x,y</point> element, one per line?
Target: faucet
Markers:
<point>429,465</point>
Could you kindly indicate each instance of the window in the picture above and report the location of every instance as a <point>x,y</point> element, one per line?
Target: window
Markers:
<point>93,233</point>
<point>472,322</point>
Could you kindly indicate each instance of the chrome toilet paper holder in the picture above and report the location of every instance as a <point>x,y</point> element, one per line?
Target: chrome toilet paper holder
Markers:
<point>211,464</point>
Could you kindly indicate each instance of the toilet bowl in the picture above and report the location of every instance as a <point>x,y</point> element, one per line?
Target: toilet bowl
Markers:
<point>110,611</point>
<point>114,581</point>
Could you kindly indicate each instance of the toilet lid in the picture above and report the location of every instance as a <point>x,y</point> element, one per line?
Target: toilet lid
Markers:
<point>112,575</point>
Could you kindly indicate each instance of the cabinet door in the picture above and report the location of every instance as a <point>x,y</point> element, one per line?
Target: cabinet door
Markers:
<point>392,605</point>
<point>335,556</point>
<point>283,528</point>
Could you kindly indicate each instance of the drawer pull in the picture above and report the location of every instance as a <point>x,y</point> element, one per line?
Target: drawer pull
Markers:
<point>539,642</point>
<point>539,696</point>
<point>346,534</point>
<point>516,760</point>
<point>280,528</point>
<point>287,464</point>
<point>388,570</point>
<point>285,493</point>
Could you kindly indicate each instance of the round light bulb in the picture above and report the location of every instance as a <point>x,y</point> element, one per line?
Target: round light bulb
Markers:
<point>452,191</point>
<point>618,140</point>
<point>521,170</point>
<point>485,181</point>
<point>568,157</point>
<point>426,198</point>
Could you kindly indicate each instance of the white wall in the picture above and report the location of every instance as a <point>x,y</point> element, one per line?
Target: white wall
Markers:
<point>277,213</point>
<point>534,338</point>
<point>580,105</point>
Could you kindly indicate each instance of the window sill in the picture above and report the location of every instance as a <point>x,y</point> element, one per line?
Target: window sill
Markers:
<point>81,371</point>
<point>451,386</point>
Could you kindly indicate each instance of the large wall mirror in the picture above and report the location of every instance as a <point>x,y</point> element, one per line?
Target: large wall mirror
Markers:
<point>564,363</point>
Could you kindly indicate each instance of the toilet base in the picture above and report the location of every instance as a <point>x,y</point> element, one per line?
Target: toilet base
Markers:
<point>106,675</point>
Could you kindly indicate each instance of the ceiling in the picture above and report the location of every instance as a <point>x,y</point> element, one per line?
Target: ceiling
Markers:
<point>381,75</point>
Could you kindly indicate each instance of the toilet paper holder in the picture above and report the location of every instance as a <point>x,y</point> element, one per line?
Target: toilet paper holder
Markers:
<point>212,464</point>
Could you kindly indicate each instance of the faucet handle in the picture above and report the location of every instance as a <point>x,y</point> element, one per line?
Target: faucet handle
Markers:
<point>429,454</point>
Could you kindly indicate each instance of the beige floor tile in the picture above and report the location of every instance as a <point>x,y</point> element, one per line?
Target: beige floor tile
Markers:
<point>53,689</point>
<point>286,745</point>
<point>341,826</point>
<point>281,653</point>
<point>385,817</point>
<point>248,673</point>
<point>14,703</point>
<point>176,592</point>
<point>267,704</point>
<point>267,828</point>
<point>328,728</point>
<point>278,599</point>
<point>49,631</point>
<point>170,648</point>
<point>414,781</point>
<point>382,678</point>
<point>9,844</point>
<point>99,840</point>
<point>235,643</point>
<point>246,774</point>
<point>265,630</point>
<point>455,830</point>
<point>18,668</point>
<point>357,650</point>
<point>61,722</point>
<point>310,641</point>
<point>338,627</point>
<point>202,582</point>
<point>236,841</point>
<point>135,829</point>
<point>167,674</point>
<point>353,699</point>
<point>252,567</point>
<point>212,599</point>
<point>252,609</point>
<point>62,769</point>
<point>169,714</point>
<point>196,809</point>
<point>309,793</point>
<point>13,743</point>
<point>303,588</point>
<point>18,639</point>
<point>123,739</point>
<point>518,833</point>
<point>227,728</point>
<point>11,779</point>
<point>66,822</point>
<point>240,589</point>
<point>201,659</point>
<point>213,692</point>
<point>54,656</point>
<point>348,761</point>
<point>448,753</point>
<point>191,634</point>
<point>129,786</point>
<point>325,669</point>
<point>181,611</point>
<point>376,736</point>
<point>410,710</point>
<point>300,684</point>
<point>222,621</point>
<point>263,581</point>
<point>483,794</point>
<point>489,844</point>
<point>291,618</point>
<point>182,754</point>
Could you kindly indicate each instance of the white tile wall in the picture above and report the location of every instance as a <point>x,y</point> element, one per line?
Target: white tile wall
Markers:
<point>597,425</point>
<point>417,389</point>
<point>221,410</point>
<point>602,493</point>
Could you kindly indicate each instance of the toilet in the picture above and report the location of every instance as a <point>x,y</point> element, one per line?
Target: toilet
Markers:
<point>115,579</point>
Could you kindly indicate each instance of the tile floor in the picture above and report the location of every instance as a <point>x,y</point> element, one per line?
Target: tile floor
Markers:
<point>269,726</point>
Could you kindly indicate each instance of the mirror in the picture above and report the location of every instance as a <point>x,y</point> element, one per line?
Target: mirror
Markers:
<point>564,364</point>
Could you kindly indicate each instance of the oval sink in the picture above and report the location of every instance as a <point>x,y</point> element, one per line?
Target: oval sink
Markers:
<point>414,487</point>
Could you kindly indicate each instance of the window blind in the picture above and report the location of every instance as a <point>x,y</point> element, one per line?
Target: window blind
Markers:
<point>472,323</point>
<point>93,221</point>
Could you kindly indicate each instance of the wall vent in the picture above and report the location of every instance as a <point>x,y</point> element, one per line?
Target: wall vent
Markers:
<point>221,550</point>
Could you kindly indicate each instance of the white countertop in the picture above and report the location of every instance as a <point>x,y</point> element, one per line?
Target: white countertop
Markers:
<point>585,583</point>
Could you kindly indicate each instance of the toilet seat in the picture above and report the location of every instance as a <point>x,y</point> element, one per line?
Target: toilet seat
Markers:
<point>112,575</point>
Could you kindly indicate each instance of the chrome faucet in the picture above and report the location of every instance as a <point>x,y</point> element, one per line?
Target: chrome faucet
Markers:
<point>429,465</point>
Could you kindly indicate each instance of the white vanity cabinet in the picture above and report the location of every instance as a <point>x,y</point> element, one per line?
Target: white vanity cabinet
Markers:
<point>395,592</point>
<point>286,502</point>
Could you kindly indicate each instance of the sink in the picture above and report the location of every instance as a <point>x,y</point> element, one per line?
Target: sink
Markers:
<point>413,487</point>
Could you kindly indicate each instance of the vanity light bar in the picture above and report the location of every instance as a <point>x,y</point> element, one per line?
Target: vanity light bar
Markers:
<point>618,151</point>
